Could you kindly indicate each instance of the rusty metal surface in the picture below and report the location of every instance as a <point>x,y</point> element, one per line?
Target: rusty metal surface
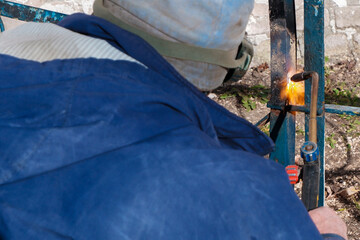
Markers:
<point>283,45</point>
<point>283,60</point>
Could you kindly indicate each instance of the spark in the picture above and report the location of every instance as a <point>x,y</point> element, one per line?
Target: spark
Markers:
<point>293,92</point>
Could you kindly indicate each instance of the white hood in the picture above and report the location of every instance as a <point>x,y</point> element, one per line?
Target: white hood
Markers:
<point>216,24</point>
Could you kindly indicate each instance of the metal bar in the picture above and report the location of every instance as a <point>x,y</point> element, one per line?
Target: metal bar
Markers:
<point>28,13</point>
<point>263,121</point>
<point>291,108</point>
<point>339,109</point>
<point>329,108</point>
<point>314,61</point>
<point>283,61</point>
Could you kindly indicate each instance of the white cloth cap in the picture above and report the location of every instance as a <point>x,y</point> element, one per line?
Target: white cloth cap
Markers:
<point>216,24</point>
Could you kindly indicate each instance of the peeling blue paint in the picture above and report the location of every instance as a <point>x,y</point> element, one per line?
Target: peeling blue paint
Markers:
<point>316,10</point>
<point>27,13</point>
<point>340,109</point>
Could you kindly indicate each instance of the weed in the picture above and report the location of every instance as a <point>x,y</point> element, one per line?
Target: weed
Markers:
<point>332,142</point>
<point>346,117</point>
<point>341,95</point>
<point>348,146</point>
<point>351,129</point>
<point>327,69</point>
<point>248,102</point>
<point>357,205</point>
<point>351,124</point>
<point>227,95</point>
<point>248,96</point>
<point>260,93</point>
<point>357,122</point>
<point>300,131</point>
<point>265,129</point>
<point>336,91</point>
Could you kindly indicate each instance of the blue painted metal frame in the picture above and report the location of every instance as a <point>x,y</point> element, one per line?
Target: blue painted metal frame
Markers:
<point>329,108</point>
<point>282,121</point>
<point>340,109</point>
<point>27,13</point>
<point>314,61</point>
<point>283,61</point>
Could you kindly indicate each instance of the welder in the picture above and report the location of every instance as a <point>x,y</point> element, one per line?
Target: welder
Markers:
<point>105,134</point>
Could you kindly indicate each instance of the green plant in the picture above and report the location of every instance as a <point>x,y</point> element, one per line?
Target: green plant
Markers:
<point>342,96</point>
<point>332,142</point>
<point>248,102</point>
<point>227,95</point>
<point>300,131</point>
<point>327,69</point>
<point>248,96</point>
<point>348,146</point>
<point>346,117</point>
<point>357,204</point>
<point>357,122</point>
<point>265,129</point>
<point>262,93</point>
<point>351,124</point>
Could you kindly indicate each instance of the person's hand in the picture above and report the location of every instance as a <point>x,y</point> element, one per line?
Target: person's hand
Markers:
<point>327,221</point>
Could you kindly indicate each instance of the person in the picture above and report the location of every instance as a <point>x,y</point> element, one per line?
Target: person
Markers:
<point>104,138</point>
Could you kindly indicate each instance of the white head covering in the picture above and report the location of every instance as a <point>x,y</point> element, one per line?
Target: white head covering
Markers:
<point>215,24</point>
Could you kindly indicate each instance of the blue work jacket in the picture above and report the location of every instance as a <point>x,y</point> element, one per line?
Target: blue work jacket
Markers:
<point>103,149</point>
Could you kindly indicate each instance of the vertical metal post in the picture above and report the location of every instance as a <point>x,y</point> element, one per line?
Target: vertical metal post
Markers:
<point>314,61</point>
<point>283,60</point>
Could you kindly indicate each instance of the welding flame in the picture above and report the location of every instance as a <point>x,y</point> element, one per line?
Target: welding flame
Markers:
<point>293,92</point>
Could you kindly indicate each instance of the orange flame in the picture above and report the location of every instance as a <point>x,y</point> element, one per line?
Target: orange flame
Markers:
<point>294,92</point>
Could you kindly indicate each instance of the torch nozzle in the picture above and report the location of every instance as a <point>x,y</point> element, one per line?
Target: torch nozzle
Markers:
<point>301,76</point>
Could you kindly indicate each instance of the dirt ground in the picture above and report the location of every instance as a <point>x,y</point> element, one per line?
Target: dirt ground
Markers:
<point>247,98</point>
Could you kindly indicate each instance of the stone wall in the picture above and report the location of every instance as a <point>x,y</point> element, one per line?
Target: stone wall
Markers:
<point>342,29</point>
<point>342,25</point>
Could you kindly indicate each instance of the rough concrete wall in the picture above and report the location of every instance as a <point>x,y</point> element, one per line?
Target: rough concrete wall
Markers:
<point>342,25</point>
<point>342,29</point>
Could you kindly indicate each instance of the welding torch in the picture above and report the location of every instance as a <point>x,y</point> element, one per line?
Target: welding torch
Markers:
<point>309,150</point>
